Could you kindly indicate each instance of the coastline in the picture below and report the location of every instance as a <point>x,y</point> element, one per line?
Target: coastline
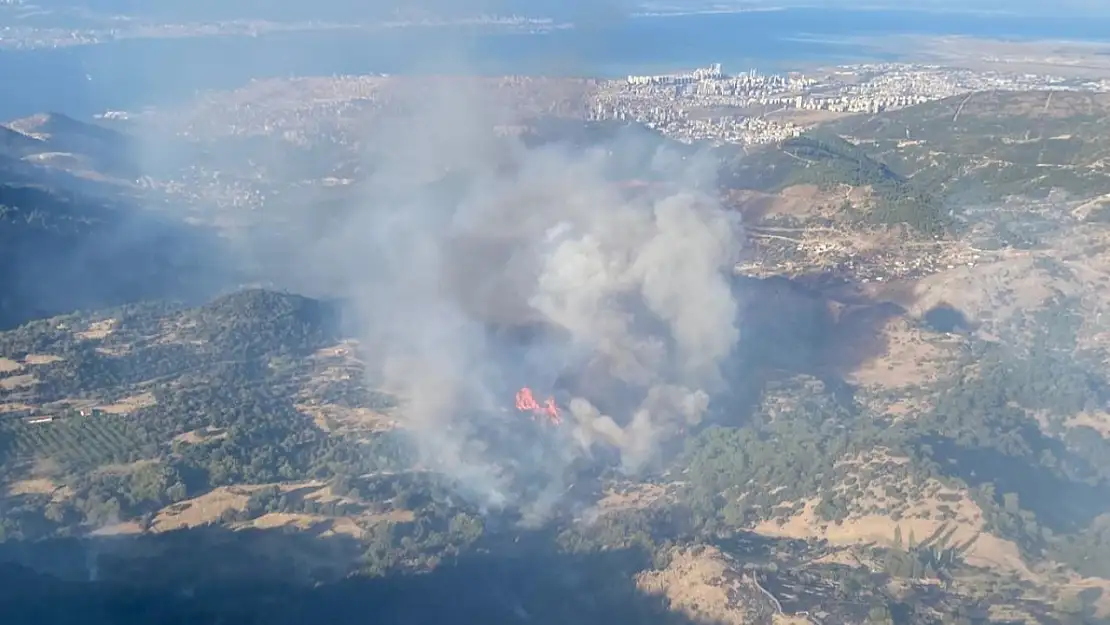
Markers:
<point>129,74</point>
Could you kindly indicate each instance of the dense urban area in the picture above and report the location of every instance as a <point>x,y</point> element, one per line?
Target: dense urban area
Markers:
<point>704,106</point>
<point>753,108</point>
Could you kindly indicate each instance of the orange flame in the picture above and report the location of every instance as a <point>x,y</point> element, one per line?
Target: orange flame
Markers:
<point>526,402</point>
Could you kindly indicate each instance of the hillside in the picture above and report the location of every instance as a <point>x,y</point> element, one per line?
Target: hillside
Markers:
<point>829,162</point>
<point>61,251</point>
<point>76,234</point>
<point>989,144</point>
<point>60,142</point>
<point>962,342</point>
<point>252,412</point>
<point>17,144</point>
<point>913,430</point>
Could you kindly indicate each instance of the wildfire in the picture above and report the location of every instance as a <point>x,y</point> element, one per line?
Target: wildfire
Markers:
<point>526,402</point>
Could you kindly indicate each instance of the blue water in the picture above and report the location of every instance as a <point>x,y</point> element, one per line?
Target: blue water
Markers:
<point>130,74</point>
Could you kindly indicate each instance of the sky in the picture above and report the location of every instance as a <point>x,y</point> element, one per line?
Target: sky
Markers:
<point>1057,7</point>
<point>557,9</point>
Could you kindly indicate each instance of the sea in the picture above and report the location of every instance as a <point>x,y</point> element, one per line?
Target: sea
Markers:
<point>135,73</point>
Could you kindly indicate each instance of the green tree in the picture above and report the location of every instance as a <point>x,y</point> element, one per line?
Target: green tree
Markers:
<point>176,493</point>
<point>879,615</point>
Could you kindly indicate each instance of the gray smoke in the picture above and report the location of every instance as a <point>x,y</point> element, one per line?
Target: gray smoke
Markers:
<point>635,285</point>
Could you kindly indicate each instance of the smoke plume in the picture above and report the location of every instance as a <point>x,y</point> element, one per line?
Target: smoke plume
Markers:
<point>622,299</point>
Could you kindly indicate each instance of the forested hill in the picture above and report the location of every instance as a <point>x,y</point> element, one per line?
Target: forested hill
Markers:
<point>61,251</point>
<point>829,161</point>
<point>254,409</point>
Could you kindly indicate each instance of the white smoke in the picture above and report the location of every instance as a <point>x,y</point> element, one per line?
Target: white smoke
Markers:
<point>638,284</point>
<point>671,256</point>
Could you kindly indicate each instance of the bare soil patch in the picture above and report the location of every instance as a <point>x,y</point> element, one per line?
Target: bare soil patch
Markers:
<point>33,486</point>
<point>200,510</point>
<point>1098,421</point>
<point>911,358</point>
<point>282,519</point>
<point>97,330</point>
<point>695,584</point>
<point>935,508</point>
<point>17,381</point>
<point>36,485</point>
<point>987,551</point>
<point>802,202</point>
<point>324,494</point>
<point>846,557</point>
<point>334,526</point>
<point>128,405</point>
<point>1079,584</point>
<point>7,365</point>
<point>345,350</point>
<point>40,359</point>
<point>335,418</point>
<point>202,435</point>
<point>991,293</point>
<point>630,497</point>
